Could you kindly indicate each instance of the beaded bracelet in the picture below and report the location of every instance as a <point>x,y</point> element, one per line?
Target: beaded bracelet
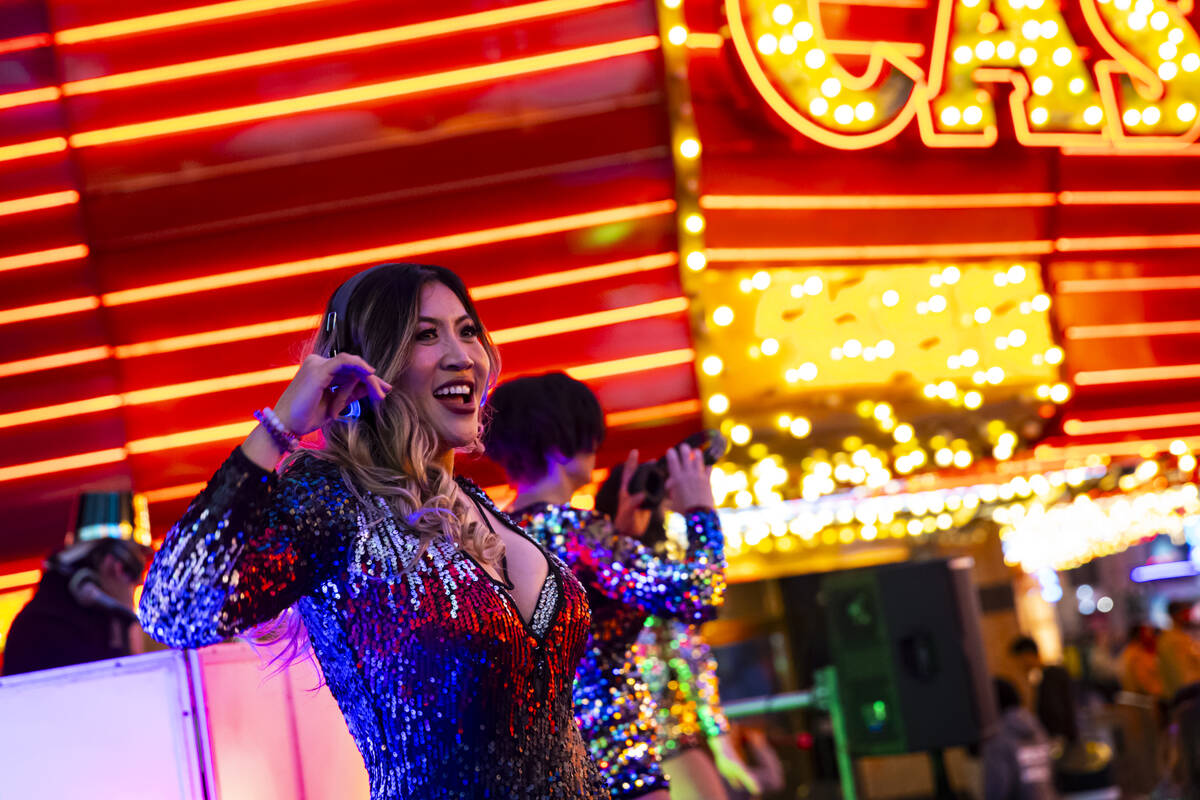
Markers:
<point>279,432</point>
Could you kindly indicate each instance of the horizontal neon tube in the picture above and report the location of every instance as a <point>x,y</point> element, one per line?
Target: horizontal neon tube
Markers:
<point>38,147</point>
<point>172,19</point>
<point>1151,242</point>
<point>244,380</point>
<point>239,430</point>
<point>30,42</point>
<point>573,276</point>
<point>635,416</point>
<point>454,241</point>
<point>309,323</point>
<point>879,251</point>
<point>60,410</point>
<point>1160,283</point>
<point>658,308</point>
<point>856,47</point>
<point>52,465</point>
<point>337,44</point>
<point>1046,452</point>
<point>39,202</point>
<point>623,366</point>
<point>1119,331</point>
<point>224,336</point>
<point>1080,427</point>
<point>18,580</point>
<point>1104,377</point>
<point>364,94</point>
<point>1130,198</point>
<point>55,255</point>
<point>217,433</point>
<point>183,490</point>
<point>67,359</point>
<point>46,94</point>
<point>54,309</point>
<point>854,202</point>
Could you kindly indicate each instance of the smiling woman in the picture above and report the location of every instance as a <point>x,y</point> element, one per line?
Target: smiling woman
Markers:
<point>448,638</point>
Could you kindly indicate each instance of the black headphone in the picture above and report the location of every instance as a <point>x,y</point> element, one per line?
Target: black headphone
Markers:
<point>337,312</point>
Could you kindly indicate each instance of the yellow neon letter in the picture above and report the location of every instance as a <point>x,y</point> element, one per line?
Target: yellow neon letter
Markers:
<point>791,63</point>
<point>1156,50</point>
<point>1025,42</point>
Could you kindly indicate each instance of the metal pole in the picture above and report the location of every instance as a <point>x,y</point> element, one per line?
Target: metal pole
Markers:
<point>827,681</point>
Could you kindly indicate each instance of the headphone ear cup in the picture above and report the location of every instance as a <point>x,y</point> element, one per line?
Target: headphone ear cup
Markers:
<point>81,579</point>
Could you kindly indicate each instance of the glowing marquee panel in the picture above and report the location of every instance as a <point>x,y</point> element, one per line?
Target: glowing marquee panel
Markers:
<point>914,364</point>
<point>1141,91</point>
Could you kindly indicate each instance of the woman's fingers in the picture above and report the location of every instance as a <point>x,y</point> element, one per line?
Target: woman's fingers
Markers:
<point>674,467</point>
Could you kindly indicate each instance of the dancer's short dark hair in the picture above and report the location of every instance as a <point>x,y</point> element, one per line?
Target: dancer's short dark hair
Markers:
<point>531,417</point>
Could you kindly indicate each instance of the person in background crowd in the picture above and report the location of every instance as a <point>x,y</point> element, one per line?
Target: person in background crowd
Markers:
<point>82,609</point>
<point>1178,652</point>
<point>1017,762</point>
<point>678,667</point>
<point>1140,670</point>
<point>1054,697</point>
<point>544,431</point>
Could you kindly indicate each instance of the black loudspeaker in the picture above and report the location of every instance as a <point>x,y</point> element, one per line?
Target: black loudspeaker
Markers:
<point>905,640</point>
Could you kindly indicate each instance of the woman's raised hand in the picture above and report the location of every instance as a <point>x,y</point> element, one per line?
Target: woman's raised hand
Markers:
<point>688,486</point>
<point>323,387</point>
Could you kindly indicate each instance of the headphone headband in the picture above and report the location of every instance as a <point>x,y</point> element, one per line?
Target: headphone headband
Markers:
<point>341,299</point>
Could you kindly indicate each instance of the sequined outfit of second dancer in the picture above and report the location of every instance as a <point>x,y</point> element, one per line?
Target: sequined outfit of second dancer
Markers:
<point>449,693</point>
<point>626,583</point>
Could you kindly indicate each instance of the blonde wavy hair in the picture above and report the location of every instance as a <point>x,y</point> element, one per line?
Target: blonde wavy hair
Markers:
<point>388,450</point>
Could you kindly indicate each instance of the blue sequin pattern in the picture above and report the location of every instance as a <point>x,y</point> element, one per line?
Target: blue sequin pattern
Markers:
<point>448,692</point>
<point>626,582</point>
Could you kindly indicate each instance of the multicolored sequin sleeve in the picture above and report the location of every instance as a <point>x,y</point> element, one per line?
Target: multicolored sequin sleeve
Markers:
<point>250,545</point>
<point>622,568</point>
<point>681,672</point>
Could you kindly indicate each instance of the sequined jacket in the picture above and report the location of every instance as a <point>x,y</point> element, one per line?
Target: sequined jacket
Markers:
<point>681,674</point>
<point>626,583</point>
<point>447,690</point>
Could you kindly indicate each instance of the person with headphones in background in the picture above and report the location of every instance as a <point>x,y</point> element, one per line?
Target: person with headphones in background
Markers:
<point>82,609</point>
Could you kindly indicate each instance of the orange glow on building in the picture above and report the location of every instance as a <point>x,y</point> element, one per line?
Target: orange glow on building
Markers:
<point>172,19</point>
<point>658,413</point>
<point>392,252</point>
<point>38,202</point>
<point>224,336</point>
<point>1130,198</point>
<point>337,44</point>
<point>1157,283</point>
<point>363,94</point>
<point>209,385</point>
<point>657,308</point>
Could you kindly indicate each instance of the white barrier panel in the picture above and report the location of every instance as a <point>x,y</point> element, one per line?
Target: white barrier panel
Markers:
<point>196,725</point>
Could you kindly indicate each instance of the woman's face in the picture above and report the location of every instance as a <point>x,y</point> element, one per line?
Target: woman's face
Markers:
<point>447,373</point>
